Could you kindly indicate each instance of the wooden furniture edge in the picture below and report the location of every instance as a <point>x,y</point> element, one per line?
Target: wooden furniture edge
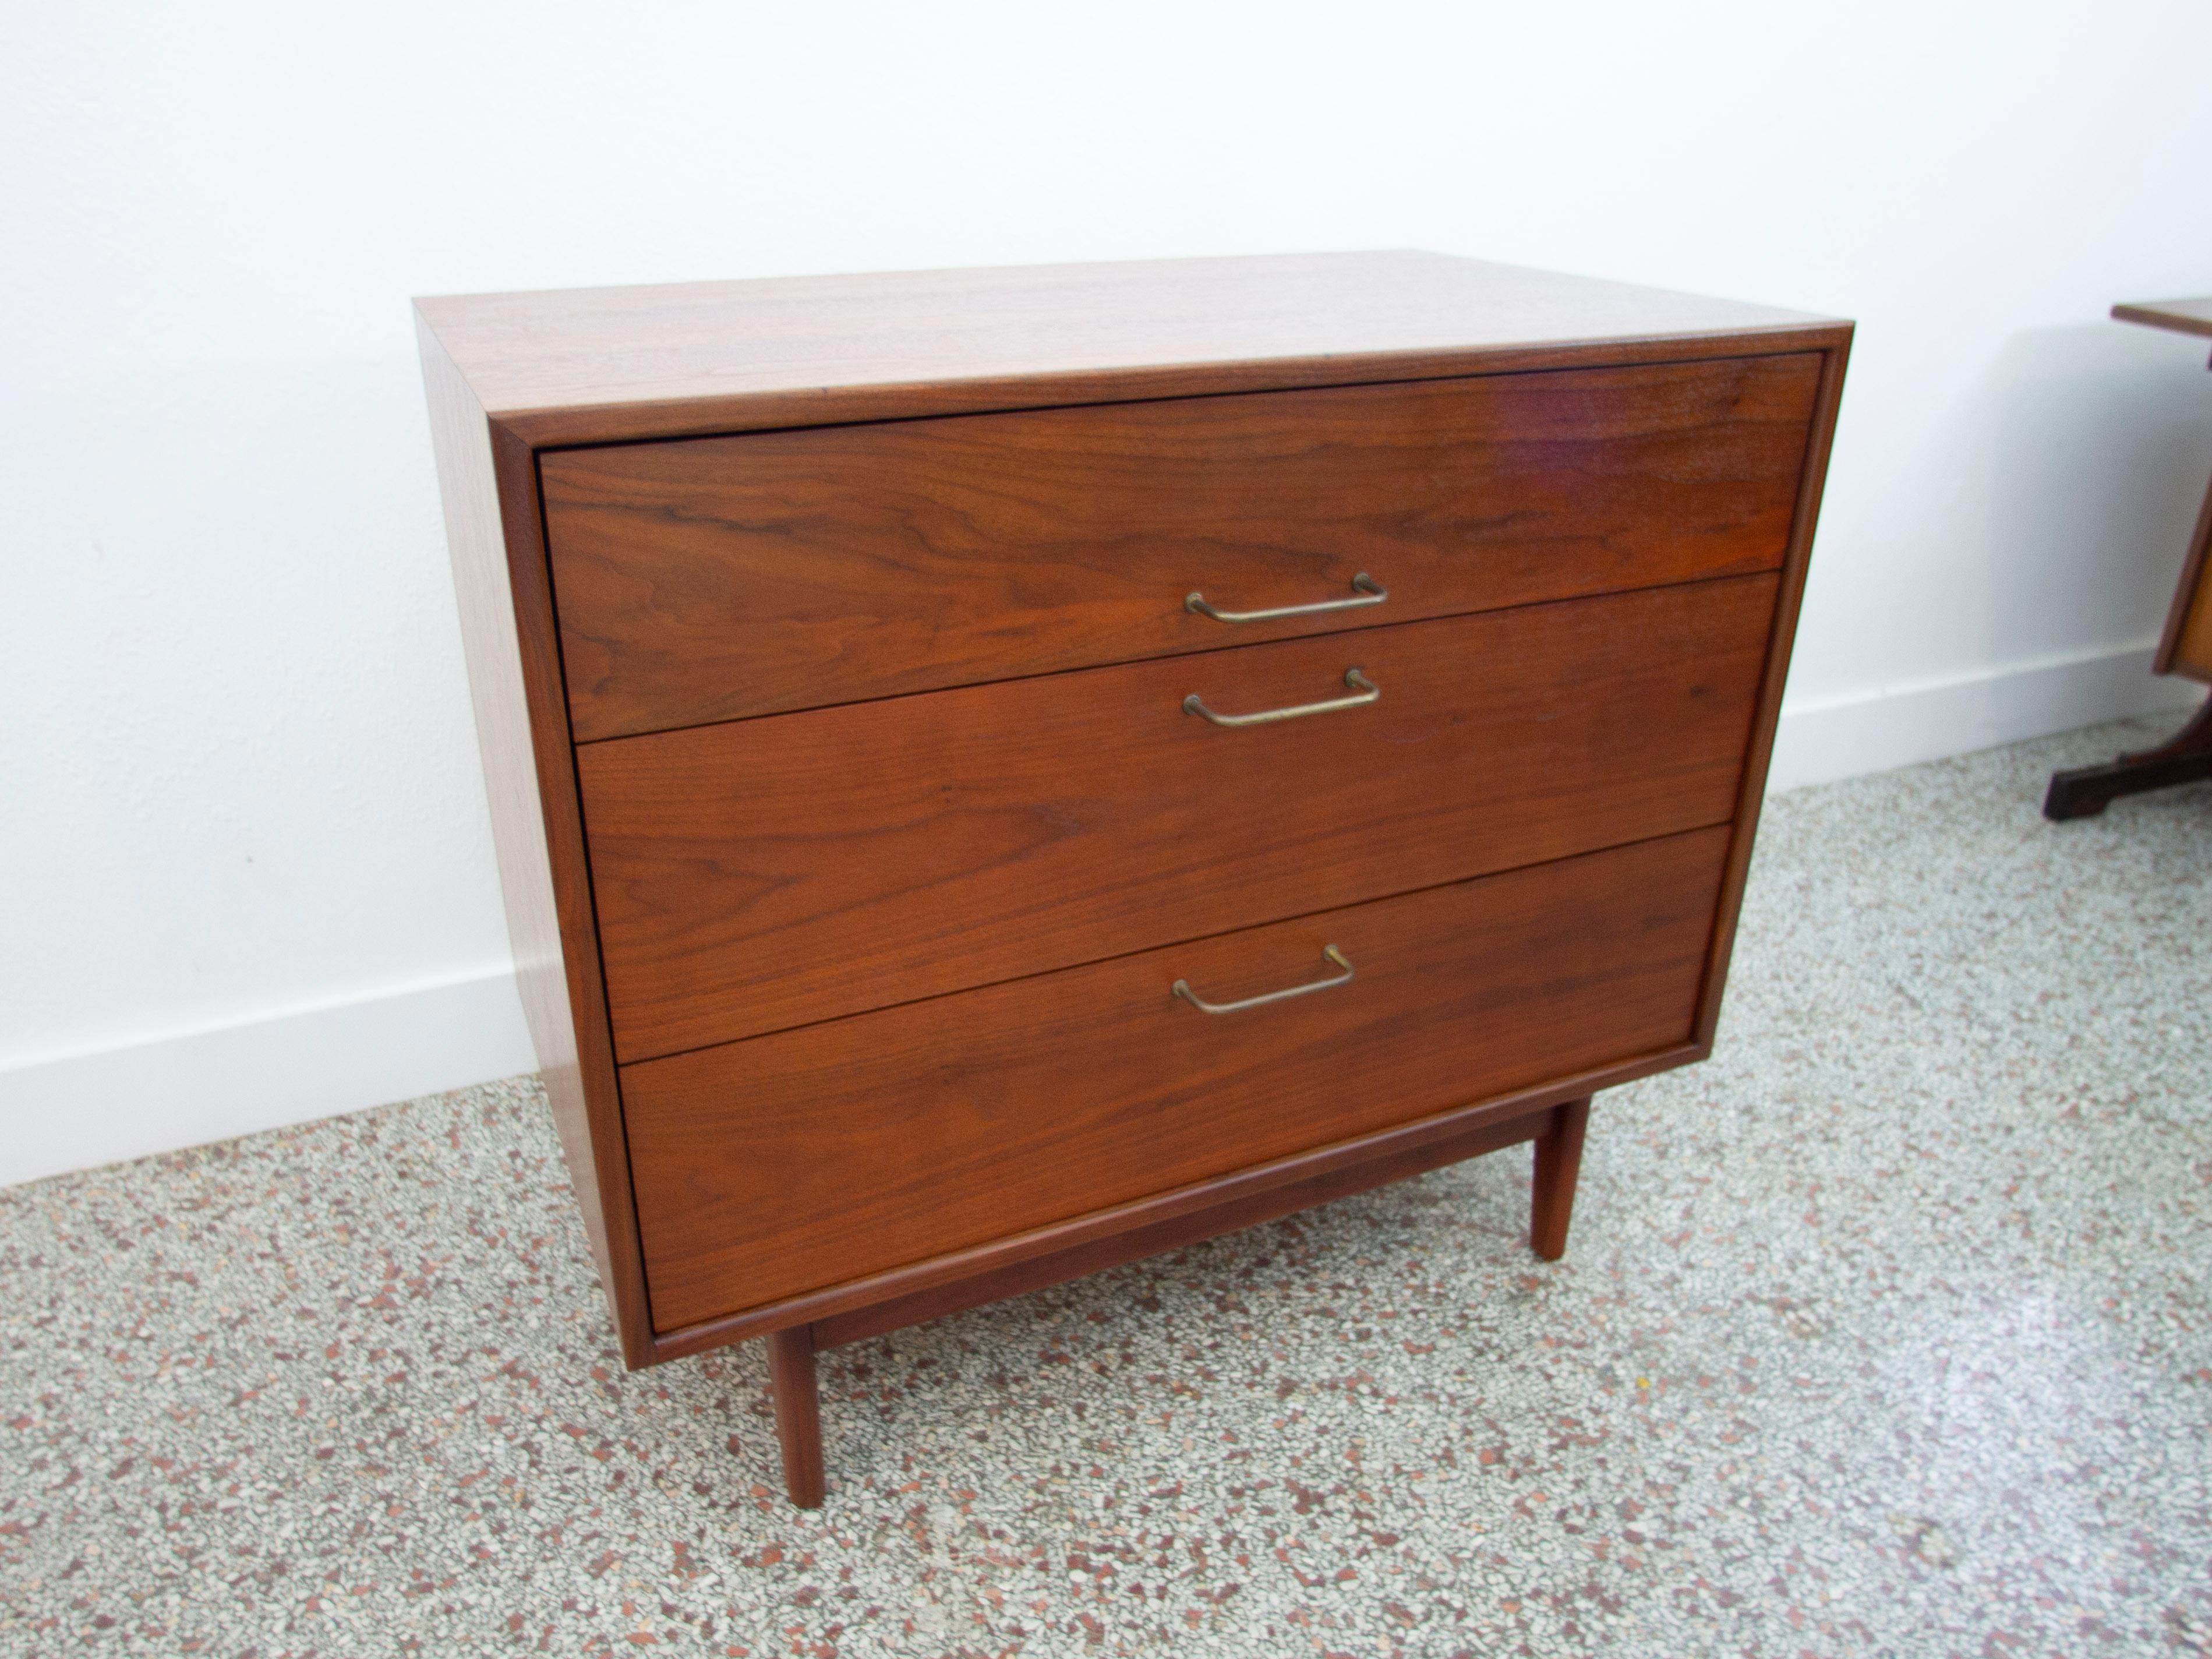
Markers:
<point>2155,313</point>
<point>489,482</point>
<point>791,1381</point>
<point>571,427</point>
<point>2185,757</point>
<point>1221,1191</point>
<point>1789,599</point>
<point>1558,1168</point>
<point>530,570</point>
<point>2196,566</point>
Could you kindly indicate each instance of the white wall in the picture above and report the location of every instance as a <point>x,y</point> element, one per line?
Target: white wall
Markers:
<point>244,872</point>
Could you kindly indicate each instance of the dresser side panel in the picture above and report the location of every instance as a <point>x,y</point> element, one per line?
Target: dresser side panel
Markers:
<point>1789,599</point>
<point>507,630</point>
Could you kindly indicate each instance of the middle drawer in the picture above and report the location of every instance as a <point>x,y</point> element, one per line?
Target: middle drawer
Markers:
<point>771,872</point>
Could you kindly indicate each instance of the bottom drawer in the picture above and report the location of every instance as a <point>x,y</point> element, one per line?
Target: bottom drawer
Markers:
<point>787,1162</point>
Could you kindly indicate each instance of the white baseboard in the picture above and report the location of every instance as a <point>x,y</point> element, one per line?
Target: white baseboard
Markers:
<point>155,1097</point>
<point>88,1109</point>
<point>1932,719</point>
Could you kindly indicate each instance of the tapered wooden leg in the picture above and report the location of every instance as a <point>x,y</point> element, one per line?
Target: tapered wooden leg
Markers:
<point>797,1413</point>
<point>1558,1161</point>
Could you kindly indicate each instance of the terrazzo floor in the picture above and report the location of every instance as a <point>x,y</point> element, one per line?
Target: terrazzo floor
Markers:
<point>1884,1332</point>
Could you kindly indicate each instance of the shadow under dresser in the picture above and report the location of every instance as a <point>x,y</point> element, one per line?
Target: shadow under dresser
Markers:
<point>1000,773</point>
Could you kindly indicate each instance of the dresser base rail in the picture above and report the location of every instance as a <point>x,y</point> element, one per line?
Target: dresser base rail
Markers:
<point>1557,1130</point>
<point>1380,1152</point>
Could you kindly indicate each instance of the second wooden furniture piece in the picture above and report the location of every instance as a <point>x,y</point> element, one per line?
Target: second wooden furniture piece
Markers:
<point>2186,648</point>
<point>1000,773</point>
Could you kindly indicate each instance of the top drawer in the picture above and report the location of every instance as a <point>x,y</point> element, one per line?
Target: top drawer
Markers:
<point>716,578</point>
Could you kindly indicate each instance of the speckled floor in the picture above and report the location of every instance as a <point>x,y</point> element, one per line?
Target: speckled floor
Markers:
<point>1886,1332</point>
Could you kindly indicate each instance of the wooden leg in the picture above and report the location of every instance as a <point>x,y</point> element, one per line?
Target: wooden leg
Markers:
<point>2183,759</point>
<point>797,1413</point>
<point>1558,1161</point>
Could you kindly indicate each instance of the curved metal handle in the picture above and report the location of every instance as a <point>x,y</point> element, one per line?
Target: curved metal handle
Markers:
<point>1370,591</point>
<point>1365,691</point>
<point>1181,988</point>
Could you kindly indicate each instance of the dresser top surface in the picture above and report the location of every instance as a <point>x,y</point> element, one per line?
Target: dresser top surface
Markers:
<point>584,365</point>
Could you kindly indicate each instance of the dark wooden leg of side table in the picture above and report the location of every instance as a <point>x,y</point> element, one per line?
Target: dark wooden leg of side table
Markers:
<point>1558,1163</point>
<point>797,1413</point>
<point>2183,759</point>
<point>2185,650</point>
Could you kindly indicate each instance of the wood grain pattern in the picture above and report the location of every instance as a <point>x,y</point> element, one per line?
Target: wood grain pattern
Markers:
<point>767,873</point>
<point>612,365</point>
<point>1244,1209</point>
<point>729,577</point>
<point>488,484</point>
<point>781,1165</point>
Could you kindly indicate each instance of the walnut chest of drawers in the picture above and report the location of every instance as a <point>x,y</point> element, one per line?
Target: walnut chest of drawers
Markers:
<point>1000,773</point>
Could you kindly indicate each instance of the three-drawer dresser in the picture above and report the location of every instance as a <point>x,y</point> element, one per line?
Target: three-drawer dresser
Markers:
<point>1000,773</point>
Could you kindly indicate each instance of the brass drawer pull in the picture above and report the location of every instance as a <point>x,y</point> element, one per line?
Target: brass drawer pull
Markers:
<point>1370,591</point>
<point>1364,690</point>
<point>1181,988</point>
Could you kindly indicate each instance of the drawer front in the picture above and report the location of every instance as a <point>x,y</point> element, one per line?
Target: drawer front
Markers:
<point>768,873</point>
<point>770,1167</point>
<point>720,578</point>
